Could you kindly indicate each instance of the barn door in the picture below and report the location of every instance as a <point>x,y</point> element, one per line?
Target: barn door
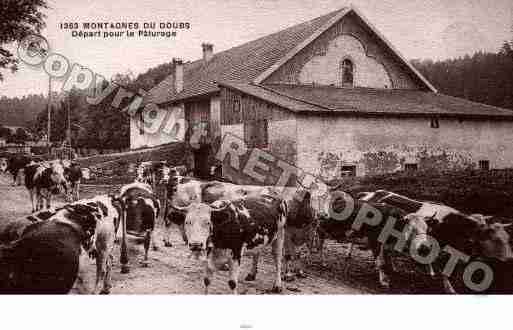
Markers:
<point>201,161</point>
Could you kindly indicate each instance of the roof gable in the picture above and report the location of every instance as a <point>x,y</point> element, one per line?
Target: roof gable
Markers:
<point>266,74</point>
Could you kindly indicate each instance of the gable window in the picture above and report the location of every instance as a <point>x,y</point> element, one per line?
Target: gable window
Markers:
<point>256,133</point>
<point>484,165</point>
<point>346,73</point>
<point>348,170</point>
<point>411,167</point>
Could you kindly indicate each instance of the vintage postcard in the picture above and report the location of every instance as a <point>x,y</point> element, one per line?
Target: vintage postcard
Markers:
<point>256,147</point>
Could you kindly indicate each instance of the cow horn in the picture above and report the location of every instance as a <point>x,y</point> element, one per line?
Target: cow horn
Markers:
<point>223,206</point>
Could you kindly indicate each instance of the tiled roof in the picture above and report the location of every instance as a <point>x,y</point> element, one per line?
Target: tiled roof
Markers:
<point>330,99</point>
<point>242,63</point>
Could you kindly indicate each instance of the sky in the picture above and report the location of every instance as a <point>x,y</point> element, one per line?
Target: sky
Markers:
<point>435,29</point>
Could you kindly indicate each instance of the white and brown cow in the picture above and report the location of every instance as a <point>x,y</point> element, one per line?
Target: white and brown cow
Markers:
<point>104,237</point>
<point>227,230</point>
<point>43,181</point>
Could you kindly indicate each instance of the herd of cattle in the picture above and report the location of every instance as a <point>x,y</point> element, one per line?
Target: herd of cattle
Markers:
<point>223,222</point>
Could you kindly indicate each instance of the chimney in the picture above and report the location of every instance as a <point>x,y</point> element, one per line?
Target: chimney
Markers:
<point>178,75</point>
<point>208,51</point>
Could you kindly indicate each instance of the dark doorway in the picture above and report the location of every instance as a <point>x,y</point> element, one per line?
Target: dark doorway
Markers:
<point>202,161</point>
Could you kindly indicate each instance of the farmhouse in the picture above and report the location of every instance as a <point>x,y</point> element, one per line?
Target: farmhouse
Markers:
<point>331,96</point>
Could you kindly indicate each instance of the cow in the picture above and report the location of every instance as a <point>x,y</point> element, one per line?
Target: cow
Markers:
<point>476,235</point>
<point>16,164</point>
<point>341,216</point>
<point>183,191</point>
<point>225,230</point>
<point>48,256</point>
<point>73,175</point>
<point>141,209</point>
<point>429,210</point>
<point>470,235</point>
<point>43,180</point>
<point>104,237</point>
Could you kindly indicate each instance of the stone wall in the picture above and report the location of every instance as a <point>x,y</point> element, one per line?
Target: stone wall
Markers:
<point>383,145</point>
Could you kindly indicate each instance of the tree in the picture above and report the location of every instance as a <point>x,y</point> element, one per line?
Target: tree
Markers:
<point>19,18</point>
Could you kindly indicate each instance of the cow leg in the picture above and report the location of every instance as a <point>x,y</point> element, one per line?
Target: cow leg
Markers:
<point>254,267</point>
<point>31,193</point>
<point>209,270</point>
<point>381,266</point>
<point>448,288</point>
<point>107,283</point>
<point>153,241</point>
<point>389,261</point>
<point>147,240</point>
<point>277,250</point>
<point>49,200</point>
<point>77,191</point>
<point>290,253</point>
<point>167,235</point>
<point>234,264</point>
<point>100,270</point>
<point>123,259</point>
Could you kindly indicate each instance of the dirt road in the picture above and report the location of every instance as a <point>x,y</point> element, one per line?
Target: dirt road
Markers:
<point>172,271</point>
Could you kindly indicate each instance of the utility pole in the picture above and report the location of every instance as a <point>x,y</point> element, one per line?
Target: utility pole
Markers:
<point>48,124</point>
<point>69,125</point>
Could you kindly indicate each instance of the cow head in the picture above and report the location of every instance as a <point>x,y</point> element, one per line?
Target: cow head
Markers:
<point>198,224</point>
<point>417,232</point>
<point>494,242</point>
<point>57,175</point>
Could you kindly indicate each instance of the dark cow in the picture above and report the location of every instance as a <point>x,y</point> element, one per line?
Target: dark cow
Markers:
<point>47,258</point>
<point>475,235</point>
<point>350,225</point>
<point>141,210</point>
<point>43,180</point>
<point>478,240</point>
<point>73,175</point>
<point>227,229</point>
<point>16,164</point>
<point>301,228</point>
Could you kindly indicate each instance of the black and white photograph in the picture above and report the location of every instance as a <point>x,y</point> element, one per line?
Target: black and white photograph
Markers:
<point>256,148</point>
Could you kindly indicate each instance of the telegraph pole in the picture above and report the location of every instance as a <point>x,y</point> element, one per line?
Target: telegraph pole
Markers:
<point>48,124</point>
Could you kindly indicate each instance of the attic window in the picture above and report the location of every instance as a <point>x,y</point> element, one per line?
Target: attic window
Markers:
<point>411,167</point>
<point>348,170</point>
<point>484,165</point>
<point>346,73</point>
<point>434,123</point>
